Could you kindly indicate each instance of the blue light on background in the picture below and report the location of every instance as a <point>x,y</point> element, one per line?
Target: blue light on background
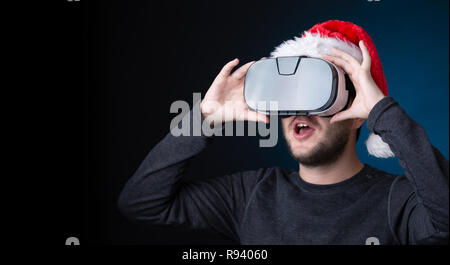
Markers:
<point>412,41</point>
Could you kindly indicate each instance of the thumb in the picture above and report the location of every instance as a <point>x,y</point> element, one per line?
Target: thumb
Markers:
<point>343,115</point>
<point>256,116</point>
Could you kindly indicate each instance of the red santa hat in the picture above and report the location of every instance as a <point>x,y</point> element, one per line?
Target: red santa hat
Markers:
<point>344,36</point>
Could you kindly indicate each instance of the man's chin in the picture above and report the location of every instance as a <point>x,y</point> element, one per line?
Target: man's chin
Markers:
<point>301,154</point>
<point>302,148</point>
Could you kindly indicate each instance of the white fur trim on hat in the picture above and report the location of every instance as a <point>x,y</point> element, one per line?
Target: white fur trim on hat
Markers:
<point>314,45</point>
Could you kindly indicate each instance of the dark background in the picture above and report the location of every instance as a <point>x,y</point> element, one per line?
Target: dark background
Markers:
<point>141,56</point>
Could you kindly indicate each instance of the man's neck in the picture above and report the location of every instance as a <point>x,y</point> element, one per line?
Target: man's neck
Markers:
<point>346,166</point>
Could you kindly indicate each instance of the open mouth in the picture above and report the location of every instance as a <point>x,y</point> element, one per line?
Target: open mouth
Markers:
<point>302,130</point>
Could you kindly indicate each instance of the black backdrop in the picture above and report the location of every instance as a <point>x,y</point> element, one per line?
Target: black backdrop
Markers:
<point>142,56</point>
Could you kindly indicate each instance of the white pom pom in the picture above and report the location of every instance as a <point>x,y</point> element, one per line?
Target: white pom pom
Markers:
<point>378,148</point>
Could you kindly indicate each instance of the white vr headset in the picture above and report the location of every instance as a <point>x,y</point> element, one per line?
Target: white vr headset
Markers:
<point>300,85</point>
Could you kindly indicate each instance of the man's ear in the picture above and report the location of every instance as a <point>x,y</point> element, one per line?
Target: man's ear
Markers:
<point>358,122</point>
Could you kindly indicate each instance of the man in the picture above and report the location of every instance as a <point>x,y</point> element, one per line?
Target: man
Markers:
<point>333,198</point>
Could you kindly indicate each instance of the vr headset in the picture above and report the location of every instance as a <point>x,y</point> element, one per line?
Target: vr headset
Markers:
<point>300,85</point>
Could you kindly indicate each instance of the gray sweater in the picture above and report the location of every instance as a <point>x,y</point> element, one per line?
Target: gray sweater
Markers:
<point>275,206</point>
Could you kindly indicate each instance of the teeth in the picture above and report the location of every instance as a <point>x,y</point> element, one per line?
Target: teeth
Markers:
<point>302,125</point>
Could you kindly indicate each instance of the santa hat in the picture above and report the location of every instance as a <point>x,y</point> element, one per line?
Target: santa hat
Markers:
<point>344,36</point>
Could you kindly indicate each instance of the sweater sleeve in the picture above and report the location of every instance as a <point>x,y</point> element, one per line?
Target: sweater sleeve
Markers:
<point>156,194</point>
<point>418,201</point>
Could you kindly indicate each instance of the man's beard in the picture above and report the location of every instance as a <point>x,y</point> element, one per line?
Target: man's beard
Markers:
<point>327,151</point>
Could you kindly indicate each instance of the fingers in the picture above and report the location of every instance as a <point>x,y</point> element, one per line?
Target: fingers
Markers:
<point>339,62</point>
<point>241,71</point>
<point>367,60</point>
<point>343,115</point>
<point>226,70</point>
<point>347,57</point>
<point>263,58</point>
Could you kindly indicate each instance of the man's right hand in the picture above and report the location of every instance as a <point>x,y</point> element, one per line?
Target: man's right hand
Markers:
<point>224,100</point>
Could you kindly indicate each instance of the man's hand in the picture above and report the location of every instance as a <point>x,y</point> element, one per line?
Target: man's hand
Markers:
<point>224,100</point>
<point>367,92</point>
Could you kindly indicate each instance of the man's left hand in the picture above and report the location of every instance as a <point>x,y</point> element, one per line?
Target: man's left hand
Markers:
<point>367,92</point>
